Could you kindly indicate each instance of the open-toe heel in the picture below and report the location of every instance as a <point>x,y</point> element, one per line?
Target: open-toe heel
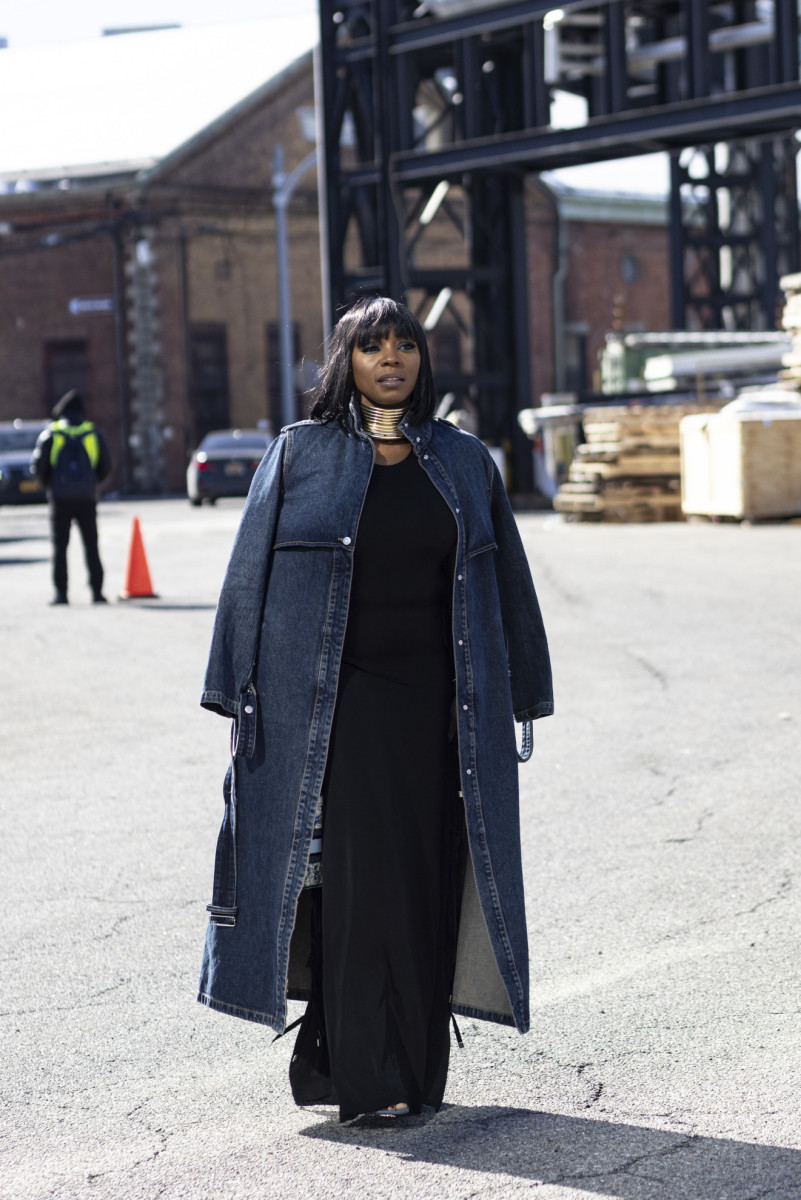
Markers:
<point>394,1110</point>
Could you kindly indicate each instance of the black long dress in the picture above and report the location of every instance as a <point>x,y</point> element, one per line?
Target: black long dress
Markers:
<point>383,960</point>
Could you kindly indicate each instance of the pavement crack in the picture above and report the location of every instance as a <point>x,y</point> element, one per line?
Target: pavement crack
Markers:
<point>784,887</point>
<point>648,666</point>
<point>144,1161</point>
<point>88,1002</point>
<point>635,1160</point>
<point>545,572</point>
<point>699,828</point>
<point>114,930</point>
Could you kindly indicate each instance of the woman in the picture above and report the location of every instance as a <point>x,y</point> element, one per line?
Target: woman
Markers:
<point>377,631</point>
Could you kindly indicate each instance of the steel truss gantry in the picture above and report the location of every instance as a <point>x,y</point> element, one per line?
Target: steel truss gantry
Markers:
<point>435,111</point>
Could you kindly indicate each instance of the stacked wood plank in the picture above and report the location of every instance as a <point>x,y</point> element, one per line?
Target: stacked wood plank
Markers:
<point>628,469</point>
<point>791,321</point>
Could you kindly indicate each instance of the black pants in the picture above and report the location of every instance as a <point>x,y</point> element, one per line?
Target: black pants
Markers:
<point>84,513</point>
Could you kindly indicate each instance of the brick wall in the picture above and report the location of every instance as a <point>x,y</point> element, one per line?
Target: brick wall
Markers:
<point>35,290</point>
<point>595,278</point>
<point>220,256</point>
<point>211,230</point>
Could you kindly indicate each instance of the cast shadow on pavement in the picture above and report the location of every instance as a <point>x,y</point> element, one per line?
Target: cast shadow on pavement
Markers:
<point>631,1162</point>
<point>158,606</point>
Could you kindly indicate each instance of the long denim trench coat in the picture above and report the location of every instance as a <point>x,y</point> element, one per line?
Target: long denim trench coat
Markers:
<point>274,666</point>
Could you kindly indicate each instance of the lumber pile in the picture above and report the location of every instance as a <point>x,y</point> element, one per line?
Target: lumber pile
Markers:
<point>791,321</point>
<point>628,469</point>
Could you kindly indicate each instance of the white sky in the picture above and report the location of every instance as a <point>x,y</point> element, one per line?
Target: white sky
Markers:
<point>135,98</point>
<point>44,22</point>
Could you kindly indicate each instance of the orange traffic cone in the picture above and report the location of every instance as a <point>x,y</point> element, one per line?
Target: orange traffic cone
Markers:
<point>137,577</point>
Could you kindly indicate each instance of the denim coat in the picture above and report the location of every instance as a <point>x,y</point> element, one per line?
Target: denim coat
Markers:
<point>274,666</point>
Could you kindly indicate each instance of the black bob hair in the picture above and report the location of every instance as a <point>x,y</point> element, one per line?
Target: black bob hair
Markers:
<point>370,318</point>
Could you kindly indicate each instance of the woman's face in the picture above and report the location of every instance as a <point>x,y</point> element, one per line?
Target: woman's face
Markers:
<point>385,371</point>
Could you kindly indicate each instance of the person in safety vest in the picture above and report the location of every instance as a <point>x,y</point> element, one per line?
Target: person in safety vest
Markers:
<point>71,458</point>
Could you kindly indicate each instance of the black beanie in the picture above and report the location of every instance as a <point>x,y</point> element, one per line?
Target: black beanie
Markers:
<point>70,405</point>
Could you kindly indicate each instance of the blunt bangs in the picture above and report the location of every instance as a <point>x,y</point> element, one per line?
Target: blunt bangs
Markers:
<point>382,317</point>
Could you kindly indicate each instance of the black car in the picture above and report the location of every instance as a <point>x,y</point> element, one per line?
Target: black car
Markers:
<point>18,482</point>
<point>224,464</point>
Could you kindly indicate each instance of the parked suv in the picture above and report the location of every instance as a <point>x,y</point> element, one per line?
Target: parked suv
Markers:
<point>18,483</point>
<point>224,464</point>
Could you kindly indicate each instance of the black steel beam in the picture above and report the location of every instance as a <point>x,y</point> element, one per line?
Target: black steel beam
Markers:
<point>432,279</point>
<point>678,316</point>
<point>379,62</point>
<point>722,299</point>
<point>766,173</point>
<point>385,93</point>
<point>469,72</point>
<point>696,22</point>
<point>461,381</point>
<point>332,231</point>
<point>420,35</point>
<point>361,279</point>
<point>614,77</point>
<point>756,113</point>
<point>523,464</point>
<point>785,36</point>
<point>536,93</point>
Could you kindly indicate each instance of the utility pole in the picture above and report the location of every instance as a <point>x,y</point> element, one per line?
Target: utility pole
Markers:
<point>283,187</point>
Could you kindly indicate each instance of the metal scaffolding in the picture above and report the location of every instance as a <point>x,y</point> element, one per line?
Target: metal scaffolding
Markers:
<point>434,111</point>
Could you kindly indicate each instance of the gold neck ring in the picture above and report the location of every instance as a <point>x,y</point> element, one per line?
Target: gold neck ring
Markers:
<point>382,423</point>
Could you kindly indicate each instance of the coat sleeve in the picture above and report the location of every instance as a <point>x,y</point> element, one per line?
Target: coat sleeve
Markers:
<point>527,645</point>
<point>234,641</point>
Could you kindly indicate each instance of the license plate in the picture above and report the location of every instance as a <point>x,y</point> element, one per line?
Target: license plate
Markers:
<point>30,485</point>
<point>234,468</point>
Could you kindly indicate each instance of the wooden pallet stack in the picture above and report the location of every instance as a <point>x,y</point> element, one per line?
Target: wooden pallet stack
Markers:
<point>628,469</point>
<point>791,321</point>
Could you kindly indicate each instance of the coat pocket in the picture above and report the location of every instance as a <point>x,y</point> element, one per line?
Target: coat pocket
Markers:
<point>223,908</point>
<point>299,544</point>
<point>482,549</point>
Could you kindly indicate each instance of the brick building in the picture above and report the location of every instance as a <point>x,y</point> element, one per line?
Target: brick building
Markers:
<point>150,282</point>
<point>145,274</point>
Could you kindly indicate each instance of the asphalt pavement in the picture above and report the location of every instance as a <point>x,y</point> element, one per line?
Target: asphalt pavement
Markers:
<point>661,832</point>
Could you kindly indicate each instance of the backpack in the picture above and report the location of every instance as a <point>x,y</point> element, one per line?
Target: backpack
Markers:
<point>73,476</point>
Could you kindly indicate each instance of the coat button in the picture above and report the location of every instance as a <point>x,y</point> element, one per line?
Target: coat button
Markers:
<point>417,439</point>
<point>248,708</point>
<point>469,772</point>
<point>461,643</point>
<point>457,510</point>
<point>458,577</point>
<point>346,541</point>
<point>464,706</point>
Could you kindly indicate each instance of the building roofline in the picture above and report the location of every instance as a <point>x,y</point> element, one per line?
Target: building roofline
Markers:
<point>124,168</point>
<point>217,128</point>
<point>586,204</point>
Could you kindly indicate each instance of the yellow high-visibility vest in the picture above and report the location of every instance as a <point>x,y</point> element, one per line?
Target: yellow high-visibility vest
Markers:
<point>62,430</point>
